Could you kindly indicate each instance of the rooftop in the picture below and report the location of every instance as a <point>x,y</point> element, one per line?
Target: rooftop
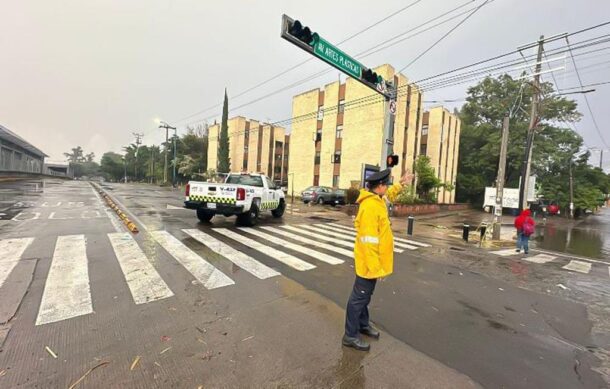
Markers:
<point>10,136</point>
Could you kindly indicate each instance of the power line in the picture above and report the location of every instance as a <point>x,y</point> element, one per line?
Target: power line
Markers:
<point>585,96</point>
<point>360,55</point>
<point>307,60</point>
<point>444,36</point>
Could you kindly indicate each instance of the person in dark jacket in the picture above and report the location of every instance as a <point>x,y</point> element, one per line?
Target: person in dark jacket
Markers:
<point>524,231</point>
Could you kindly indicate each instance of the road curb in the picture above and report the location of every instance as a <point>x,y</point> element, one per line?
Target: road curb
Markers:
<point>131,226</point>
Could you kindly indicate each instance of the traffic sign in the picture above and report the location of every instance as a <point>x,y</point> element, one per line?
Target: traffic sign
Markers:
<point>393,107</point>
<point>329,53</point>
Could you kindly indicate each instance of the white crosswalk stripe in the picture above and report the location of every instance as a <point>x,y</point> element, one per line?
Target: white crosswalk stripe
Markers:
<point>144,282</point>
<point>66,292</point>
<point>285,258</point>
<point>338,250</point>
<point>578,266</point>
<point>334,229</point>
<point>11,251</point>
<point>505,252</point>
<point>294,247</point>
<point>202,270</point>
<point>242,260</point>
<point>338,235</point>
<point>400,240</point>
<point>540,258</point>
<point>339,242</point>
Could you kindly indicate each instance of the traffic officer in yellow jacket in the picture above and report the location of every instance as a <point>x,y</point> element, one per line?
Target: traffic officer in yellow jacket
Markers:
<point>373,254</point>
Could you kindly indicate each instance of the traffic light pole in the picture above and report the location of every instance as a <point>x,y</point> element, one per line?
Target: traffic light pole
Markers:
<point>387,146</point>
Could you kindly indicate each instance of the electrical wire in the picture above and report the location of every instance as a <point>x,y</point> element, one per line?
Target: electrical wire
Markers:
<point>585,96</point>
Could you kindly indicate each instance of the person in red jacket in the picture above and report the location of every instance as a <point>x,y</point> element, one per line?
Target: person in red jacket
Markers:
<point>525,228</point>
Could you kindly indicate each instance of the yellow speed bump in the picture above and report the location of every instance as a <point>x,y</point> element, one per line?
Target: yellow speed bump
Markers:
<point>128,223</point>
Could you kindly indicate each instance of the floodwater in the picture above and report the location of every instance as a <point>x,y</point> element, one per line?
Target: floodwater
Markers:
<point>589,237</point>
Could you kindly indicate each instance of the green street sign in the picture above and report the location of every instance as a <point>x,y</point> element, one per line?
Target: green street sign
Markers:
<point>336,57</point>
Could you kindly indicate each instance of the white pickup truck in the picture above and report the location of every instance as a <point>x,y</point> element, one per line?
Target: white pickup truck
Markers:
<point>242,194</point>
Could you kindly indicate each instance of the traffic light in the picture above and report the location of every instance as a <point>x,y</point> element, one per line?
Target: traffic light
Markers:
<point>301,33</point>
<point>371,77</point>
<point>392,160</point>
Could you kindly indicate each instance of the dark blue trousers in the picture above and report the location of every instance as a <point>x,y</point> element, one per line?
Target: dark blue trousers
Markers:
<point>357,315</point>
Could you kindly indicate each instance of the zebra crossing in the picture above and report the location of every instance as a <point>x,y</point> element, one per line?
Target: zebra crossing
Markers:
<point>67,289</point>
<point>574,265</point>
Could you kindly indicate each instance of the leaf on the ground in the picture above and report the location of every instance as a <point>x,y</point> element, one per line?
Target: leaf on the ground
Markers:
<point>87,373</point>
<point>135,363</point>
<point>50,352</point>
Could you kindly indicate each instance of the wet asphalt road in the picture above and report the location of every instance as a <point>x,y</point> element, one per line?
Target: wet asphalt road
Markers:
<point>496,332</point>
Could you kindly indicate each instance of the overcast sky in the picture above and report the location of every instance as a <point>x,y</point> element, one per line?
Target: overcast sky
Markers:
<point>90,73</point>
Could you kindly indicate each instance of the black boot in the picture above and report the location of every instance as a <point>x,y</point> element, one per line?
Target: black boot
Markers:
<point>356,343</point>
<point>370,331</point>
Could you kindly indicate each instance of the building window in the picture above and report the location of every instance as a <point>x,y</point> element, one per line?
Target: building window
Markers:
<point>341,106</point>
<point>339,133</point>
<point>320,112</point>
<point>316,160</point>
<point>424,149</point>
<point>337,157</point>
<point>318,137</point>
<point>424,129</point>
<point>336,181</point>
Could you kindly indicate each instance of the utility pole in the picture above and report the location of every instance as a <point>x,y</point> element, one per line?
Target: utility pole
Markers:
<point>601,159</point>
<point>497,226</point>
<point>571,191</point>
<point>152,163</point>
<point>167,128</point>
<point>138,143</point>
<point>527,158</point>
<point>174,164</point>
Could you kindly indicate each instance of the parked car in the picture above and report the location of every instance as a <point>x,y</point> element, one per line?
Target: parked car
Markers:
<point>545,207</point>
<point>323,195</point>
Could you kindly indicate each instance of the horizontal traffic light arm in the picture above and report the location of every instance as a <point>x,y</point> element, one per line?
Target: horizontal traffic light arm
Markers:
<point>301,36</point>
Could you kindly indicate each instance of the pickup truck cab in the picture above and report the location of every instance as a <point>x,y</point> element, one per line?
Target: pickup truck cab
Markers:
<point>242,194</point>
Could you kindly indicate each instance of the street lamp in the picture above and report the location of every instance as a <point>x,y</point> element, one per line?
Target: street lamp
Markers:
<point>572,181</point>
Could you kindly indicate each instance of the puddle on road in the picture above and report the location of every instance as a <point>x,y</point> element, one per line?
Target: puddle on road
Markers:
<point>589,238</point>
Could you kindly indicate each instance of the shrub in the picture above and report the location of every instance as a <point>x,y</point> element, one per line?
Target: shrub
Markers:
<point>351,195</point>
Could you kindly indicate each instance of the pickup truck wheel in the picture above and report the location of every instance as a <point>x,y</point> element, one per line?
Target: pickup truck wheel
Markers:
<point>321,201</point>
<point>249,218</point>
<point>204,216</point>
<point>279,211</point>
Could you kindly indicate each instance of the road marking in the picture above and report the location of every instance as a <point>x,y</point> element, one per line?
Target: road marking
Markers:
<point>396,240</point>
<point>66,293</point>
<point>286,259</point>
<point>569,256</point>
<point>301,239</point>
<point>295,247</point>
<point>578,266</point>
<point>540,258</point>
<point>352,238</point>
<point>242,260</point>
<point>169,206</point>
<point>608,270</point>
<point>202,270</point>
<point>36,215</point>
<point>144,281</point>
<point>11,251</point>
<point>506,252</point>
<point>344,241</point>
<point>401,240</point>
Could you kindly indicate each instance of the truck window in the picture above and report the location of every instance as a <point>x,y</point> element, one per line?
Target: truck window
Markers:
<point>245,179</point>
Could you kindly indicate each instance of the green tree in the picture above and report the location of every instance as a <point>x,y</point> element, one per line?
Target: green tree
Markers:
<point>486,105</point>
<point>224,162</point>
<point>112,166</point>
<point>76,155</point>
<point>427,181</point>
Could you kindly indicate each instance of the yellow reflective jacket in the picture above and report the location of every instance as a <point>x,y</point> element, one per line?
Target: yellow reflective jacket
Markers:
<point>374,247</point>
